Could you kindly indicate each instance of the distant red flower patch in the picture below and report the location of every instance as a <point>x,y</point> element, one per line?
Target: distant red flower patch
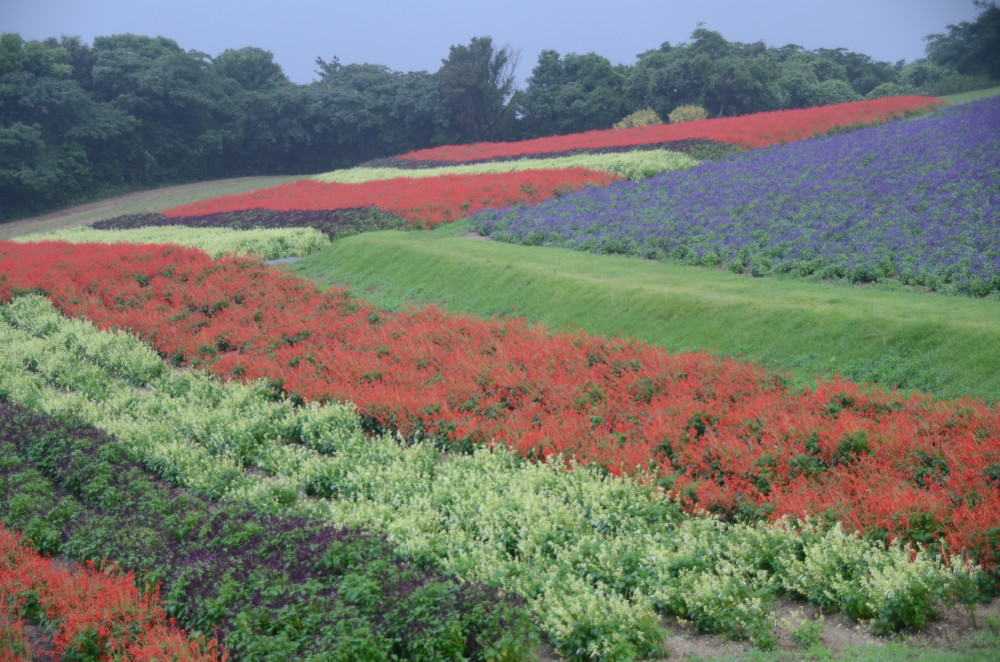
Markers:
<point>748,131</point>
<point>423,202</point>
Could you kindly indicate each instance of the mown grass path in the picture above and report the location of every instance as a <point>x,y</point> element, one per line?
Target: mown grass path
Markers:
<point>931,342</point>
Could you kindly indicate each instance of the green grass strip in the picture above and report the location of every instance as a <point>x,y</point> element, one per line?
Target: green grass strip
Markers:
<point>895,337</point>
<point>265,243</point>
<point>972,96</point>
<point>631,165</point>
<point>597,557</point>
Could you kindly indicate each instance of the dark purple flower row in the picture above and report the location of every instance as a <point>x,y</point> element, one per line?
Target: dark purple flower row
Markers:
<point>914,200</point>
<point>699,148</point>
<point>335,223</point>
<point>275,587</point>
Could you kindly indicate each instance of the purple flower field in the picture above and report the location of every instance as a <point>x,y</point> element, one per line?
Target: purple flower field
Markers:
<point>917,201</point>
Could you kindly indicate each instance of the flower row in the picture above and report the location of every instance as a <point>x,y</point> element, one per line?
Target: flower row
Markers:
<point>264,243</point>
<point>725,434</point>
<point>749,131</point>
<point>595,557</point>
<point>914,201</point>
<point>334,223</point>
<point>97,614</point>
<point>424,203</point>
<point>634,165</point>
<point>291,586</point>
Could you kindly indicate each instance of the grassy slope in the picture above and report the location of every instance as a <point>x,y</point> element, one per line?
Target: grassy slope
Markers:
<point>972,96</point>
<point>809,329</point>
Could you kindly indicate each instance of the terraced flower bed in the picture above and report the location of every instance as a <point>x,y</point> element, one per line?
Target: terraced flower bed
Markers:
<point>746,131</point>
<point>334,223</point>
<point>912,201</point>
<point>425,203</point>
<point>595,558</point>
<point>726,435</point>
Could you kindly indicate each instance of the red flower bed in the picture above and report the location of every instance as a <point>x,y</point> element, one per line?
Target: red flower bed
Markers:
<point>757,130</point>
<point>425,202</point>
<point>99,614</point>
<point>726,435</point>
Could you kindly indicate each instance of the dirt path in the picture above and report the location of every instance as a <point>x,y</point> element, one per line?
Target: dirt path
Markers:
<point>135,202</point>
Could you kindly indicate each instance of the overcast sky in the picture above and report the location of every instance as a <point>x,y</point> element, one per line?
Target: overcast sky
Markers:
<point>414,35</point>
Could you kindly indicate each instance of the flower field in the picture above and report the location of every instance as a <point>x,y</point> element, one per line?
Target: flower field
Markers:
<point>264,243</point>
<point>289,472</point>
<point>334,223</point>
<point>425,203</point>
<point>916,202</point>
<point>747,131</point>
<point>595,558</point>
<point>95,612</point>
<point>725,433</point>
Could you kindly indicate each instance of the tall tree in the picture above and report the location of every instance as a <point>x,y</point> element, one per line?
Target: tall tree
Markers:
<point>253,68</point>
<point>373,111</point>
<point>570,94</point>
<point>477,83</point>
<point>970,48</point>
<point>188,121</point>
<point>726,78</point>
<point>49,128</point>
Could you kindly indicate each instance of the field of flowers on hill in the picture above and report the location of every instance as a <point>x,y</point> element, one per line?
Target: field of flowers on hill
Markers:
<point>301,473</point>
<point>915,201</point>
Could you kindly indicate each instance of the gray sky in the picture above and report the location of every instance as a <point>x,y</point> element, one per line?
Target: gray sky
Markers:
<point>414,35</point>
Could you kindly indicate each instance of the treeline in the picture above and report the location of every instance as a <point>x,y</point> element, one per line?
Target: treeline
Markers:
<point>81,121</point>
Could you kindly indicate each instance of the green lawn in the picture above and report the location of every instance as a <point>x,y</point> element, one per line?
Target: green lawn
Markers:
<point>932,342</point>
<point>972,96</point>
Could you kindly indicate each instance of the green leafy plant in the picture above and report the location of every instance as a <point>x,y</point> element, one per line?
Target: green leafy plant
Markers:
<point>643,117</point>
<point>808,634</point>
<point>687,113</point>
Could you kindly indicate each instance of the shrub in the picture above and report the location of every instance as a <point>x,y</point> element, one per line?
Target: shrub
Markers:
<point>687,113</point>
<point>886,90</point>
<point>644,117</point>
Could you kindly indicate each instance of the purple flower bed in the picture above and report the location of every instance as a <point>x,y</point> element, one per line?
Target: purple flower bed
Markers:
<point>335,223</point>
<point>917,201</point>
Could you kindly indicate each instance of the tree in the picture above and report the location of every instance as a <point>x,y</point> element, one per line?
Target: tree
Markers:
<point>49,128</point>
<point>371,111</point>
<point>253,68</point>
<point>971,49</point>
<point>188,121</point>
<point>477,84</point>
<point>571,94</point>
<point>726,78</point>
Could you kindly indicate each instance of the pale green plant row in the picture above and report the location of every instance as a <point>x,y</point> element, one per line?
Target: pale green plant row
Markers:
<point>597,557</point>
<point>633,165</point>
<point>269,244</point>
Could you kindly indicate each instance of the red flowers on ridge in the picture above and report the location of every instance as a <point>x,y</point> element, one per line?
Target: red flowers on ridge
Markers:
<point>757,130</point>
<point>424,202</point>
<point>726,435</point>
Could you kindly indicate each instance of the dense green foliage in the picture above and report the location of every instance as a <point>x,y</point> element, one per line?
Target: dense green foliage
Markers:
<point>80,121</point>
